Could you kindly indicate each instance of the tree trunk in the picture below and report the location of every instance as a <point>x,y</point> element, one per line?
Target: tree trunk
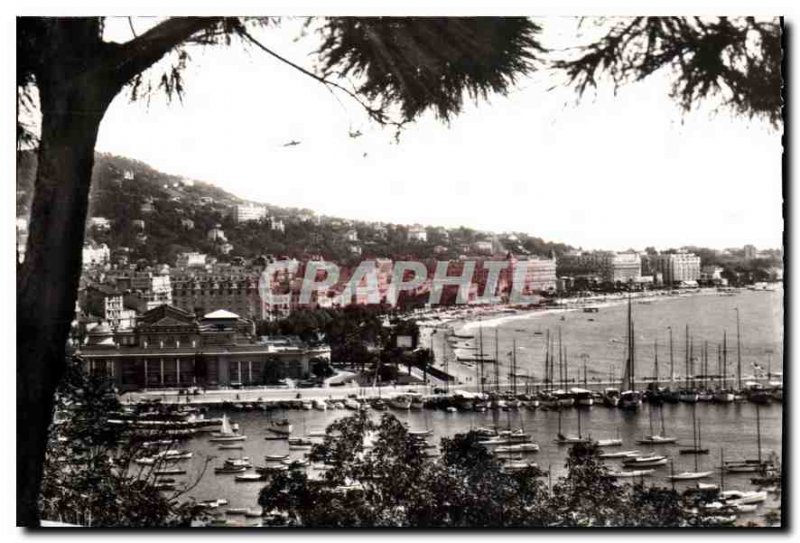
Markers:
<point>47,281</point>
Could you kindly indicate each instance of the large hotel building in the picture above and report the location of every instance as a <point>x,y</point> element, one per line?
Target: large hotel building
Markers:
<point>170,347</point>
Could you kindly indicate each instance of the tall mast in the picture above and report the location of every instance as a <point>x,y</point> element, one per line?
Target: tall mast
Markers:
<point>738,352</point>
<point>671,359</point>
<point>497,359</point>
<point>560,360</point>
<point>725,359</point>
<point>514,367</point>
<point>547,361</point>
<point>633,357</point>
<point>446,366</point>
<point>686,360</point>
<point>480,363</point>
<point>758,432</point>
<point>627,376</point>
<point>655,356</point>
<point>694,434</point>
<point>566,366</point>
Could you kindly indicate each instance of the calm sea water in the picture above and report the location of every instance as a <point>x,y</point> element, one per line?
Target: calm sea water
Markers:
<point>725,429</point>
<point>598,339</point>
<point>728,430</point>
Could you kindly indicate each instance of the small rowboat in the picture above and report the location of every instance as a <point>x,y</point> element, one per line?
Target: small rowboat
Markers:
<point>230,447</point>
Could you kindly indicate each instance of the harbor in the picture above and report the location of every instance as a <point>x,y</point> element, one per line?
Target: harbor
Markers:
<point>729,432</point>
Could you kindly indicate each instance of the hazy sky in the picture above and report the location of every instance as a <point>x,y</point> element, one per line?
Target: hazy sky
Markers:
<point>611,172</point>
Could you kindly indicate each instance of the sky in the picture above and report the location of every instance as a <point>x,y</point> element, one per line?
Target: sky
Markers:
<point>611,171</point>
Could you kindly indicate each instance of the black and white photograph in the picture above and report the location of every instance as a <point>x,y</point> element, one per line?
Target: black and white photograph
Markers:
<point>413,270</point>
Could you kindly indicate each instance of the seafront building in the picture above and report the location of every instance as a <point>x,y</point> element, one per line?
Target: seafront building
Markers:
<point>170,347</point>
<point>601,266</point>
<point>680,268</point>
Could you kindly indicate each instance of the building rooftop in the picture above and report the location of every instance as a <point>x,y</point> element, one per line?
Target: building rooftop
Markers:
<point>221,314</point>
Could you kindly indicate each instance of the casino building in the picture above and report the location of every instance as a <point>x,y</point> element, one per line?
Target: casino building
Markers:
<point>171,348</point>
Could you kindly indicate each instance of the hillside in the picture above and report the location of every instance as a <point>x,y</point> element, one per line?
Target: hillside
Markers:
<point>125,191</point>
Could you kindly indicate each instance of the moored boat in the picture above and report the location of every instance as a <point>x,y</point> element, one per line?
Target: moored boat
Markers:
<point>280,426</point>
<point>690,476</point>
<point>629,474</point>
<point>250,477</point>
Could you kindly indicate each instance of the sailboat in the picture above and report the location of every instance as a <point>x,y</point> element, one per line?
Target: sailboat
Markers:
<point>689,475</point>
<point>696,439</point>
<point>226,433</point>
<point>657,439</point>
<point>613,442</point>
<point>696,450</point>
<point>628,397</point>
<point>723,395</point>
<point>751,465</point>
<point>561,439</point>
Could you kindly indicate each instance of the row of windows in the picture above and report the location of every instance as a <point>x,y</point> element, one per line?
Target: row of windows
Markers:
<point>227,292</point>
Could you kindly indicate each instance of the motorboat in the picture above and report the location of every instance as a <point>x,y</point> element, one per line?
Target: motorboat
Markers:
<point>351,404</point>
<point>401,402</point>
<point>319,405</point>
<point>582,396</point>
<point>275,457</point>
<point>280,426</point>
<point>630,399</point>
<point>611,397</point>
